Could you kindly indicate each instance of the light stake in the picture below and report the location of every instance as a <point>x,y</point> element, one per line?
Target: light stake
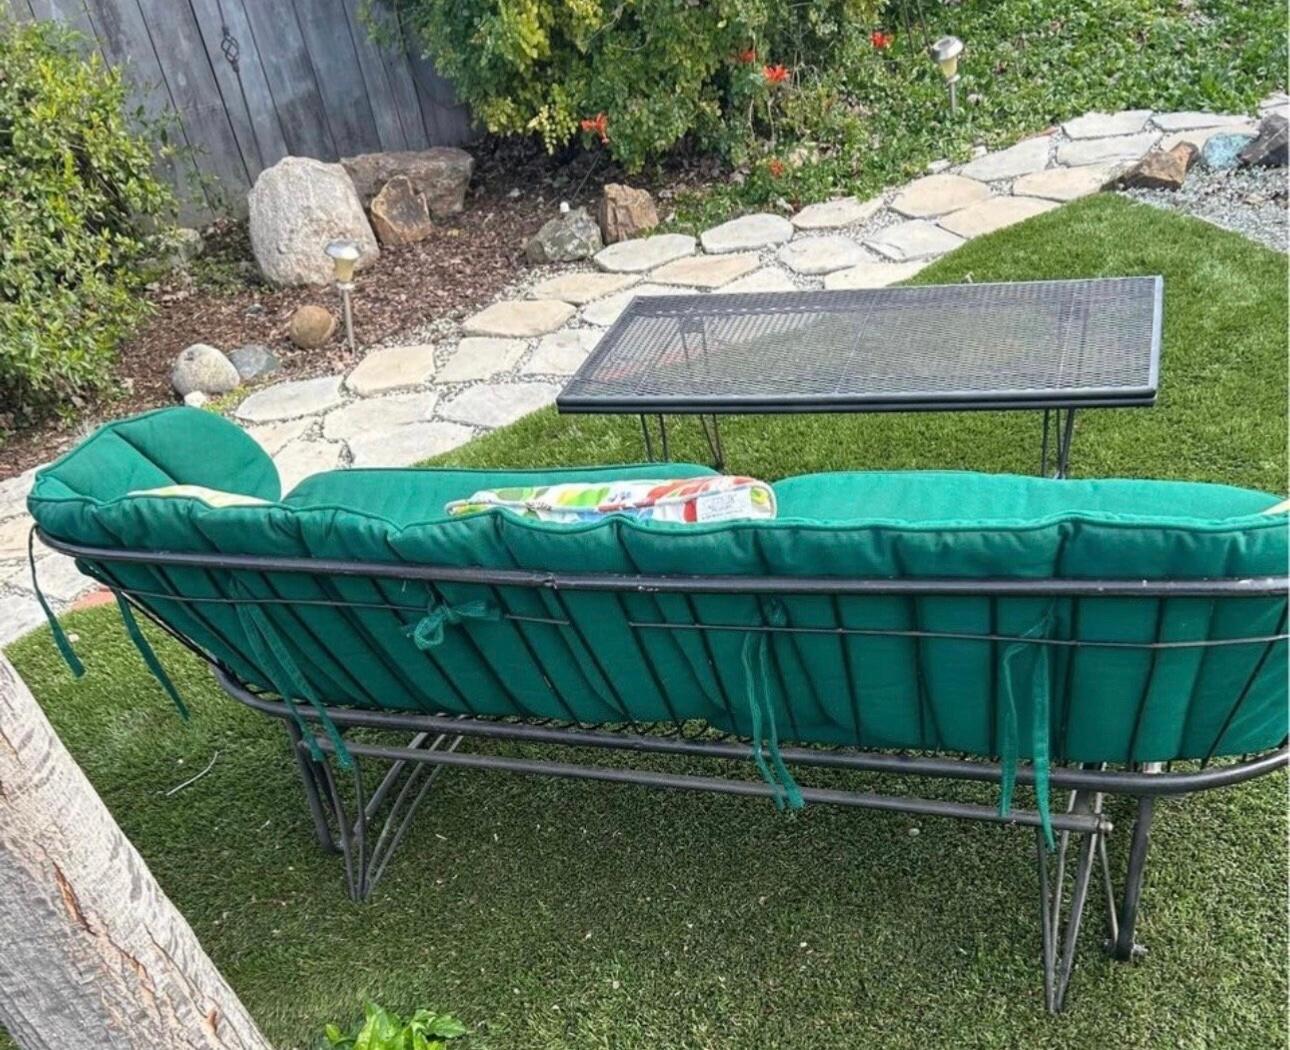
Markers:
<point>344,256</point>
<point>945,53</point>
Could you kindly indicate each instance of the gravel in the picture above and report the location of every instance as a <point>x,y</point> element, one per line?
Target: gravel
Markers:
<point>1251,201</point>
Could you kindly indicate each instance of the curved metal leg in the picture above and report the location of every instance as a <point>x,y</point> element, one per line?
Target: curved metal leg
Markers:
<point>1059,943</point>
<point>314,786</point>
<point>1122,944</point>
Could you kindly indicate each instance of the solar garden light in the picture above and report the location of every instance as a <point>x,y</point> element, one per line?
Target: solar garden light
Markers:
<point>945,53</point>
<point>344,257</point>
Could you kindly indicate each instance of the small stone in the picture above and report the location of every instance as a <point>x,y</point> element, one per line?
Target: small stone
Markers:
<point>204,368</point>
<point>300,397</point>
<point>580,288</point>
<point>378,414</point>
<point>1065,184</point>
<point>1121,148</point>
<point>644,253</point>
<point>405,445</point>
<point>995,214</point>
<point>254,361</point>
<point>195,399</point>
<point>496,404</point>
<point>749,231</point>
<point>1104,125</point>
<point>937,194</point>
<point>625,212</point>
<point>979,150</point>
<point>568,237</point>
<point>1269,150</point>
<point>817,255</point>
<point>311,326</point>
<point>300,459</point>
<point>400,215</point>
<point>1223,151</point>
<point>478,357</point>
<point>938,166</point>
<point>1025,157</point>
<point>845,211</point>
<point>519,318</point>
<point>391,368</point>
<point>606,311</point>
<point>767,279</point>
<point>562,353</point>
<point>1162,170</point>
<point>872,275</point>
<point>706,271</point>
<point>915,239</point>
<point>273,437</point>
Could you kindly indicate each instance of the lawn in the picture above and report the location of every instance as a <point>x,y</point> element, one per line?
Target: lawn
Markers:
<point>575,915</point>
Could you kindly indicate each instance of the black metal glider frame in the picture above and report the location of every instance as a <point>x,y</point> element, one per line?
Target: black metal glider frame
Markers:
<point>350,828</point>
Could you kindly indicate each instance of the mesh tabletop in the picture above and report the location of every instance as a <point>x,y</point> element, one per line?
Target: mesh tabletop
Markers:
<point>1031,344</point>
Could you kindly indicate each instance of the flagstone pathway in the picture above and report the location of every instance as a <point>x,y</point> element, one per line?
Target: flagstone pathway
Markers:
<point>434,390</point>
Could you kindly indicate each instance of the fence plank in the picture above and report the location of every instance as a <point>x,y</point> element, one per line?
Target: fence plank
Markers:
<point>381,96</point>
<point>446,120</point>
<point>340,80</point>
<point>291,78</point>
<point>20,10</point>
<point>401,81</point>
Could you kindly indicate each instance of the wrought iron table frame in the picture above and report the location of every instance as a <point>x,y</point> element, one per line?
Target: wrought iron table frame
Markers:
<point>348,827</point>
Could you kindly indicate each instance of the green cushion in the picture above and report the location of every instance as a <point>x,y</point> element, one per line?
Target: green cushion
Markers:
<point>601,657</point>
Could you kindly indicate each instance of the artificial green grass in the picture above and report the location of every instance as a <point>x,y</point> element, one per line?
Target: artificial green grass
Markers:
<point>554,914</point>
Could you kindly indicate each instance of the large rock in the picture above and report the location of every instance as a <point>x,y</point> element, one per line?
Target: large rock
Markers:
<point>1269,150</point>
<point>625,212</point>
<point>297,207</point>
<point>400,215</point>
<point>566,238</point>
<point>441,174</point>
<point>1162,169</point>
<point>204,369</point>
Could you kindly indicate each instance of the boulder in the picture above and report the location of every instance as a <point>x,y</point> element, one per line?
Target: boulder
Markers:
<point>400,214</point>
<point>311,326</point>
<point>566,238</point>
<point>440,174</point>
<point>254,360</point>
<point>296,208</point>
<point>203,368</point>
<point>1162,169</point>
<point>625,212</point>
<point>1270,149</point>
<point>1223,151</point>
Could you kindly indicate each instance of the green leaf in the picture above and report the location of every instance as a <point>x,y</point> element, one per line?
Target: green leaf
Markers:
<point>445,1026</point>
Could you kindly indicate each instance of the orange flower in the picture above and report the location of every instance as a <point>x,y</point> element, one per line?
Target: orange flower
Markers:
<point>599,125</point>
<point>775,166</point>
<point>747,56</point>
<point>775,74</point>
<point>881,40</point>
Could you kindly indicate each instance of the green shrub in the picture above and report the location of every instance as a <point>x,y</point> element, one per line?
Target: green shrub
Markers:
<point>80,210</point>
<point>658,70</point>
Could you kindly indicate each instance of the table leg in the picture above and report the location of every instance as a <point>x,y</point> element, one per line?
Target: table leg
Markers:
<point>662,430</point>
<point>1064,444</point>
<point>1063,434</point>
<point>713,437</point>
<point>649,446</point>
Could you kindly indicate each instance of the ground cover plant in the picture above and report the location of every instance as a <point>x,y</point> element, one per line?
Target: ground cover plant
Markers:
<point>571,915</point>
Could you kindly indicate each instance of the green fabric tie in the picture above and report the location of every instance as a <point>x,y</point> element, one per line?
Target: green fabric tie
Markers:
<point>55,628</point>
<point>786,788</point>
<point>149,656</point>
<point>428,631</point>
<point>1009,743</point>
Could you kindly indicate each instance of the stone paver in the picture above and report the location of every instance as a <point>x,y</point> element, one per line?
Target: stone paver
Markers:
<point>496,404</point>
<point>405,445</point>
<point>14,492</point>
<point>1185,121</point>
<point>60,579</point>
<point>391,368</point>
<point>519,317</point>
<point>19,614</point>
<point>1199,136</point>
<point>760,230</point>
<point>706,271</point>
<point>767,279</point>
<point>1021,159</point>
<point>1121,148</point>
<point>378,415</point>
<point>937,194</point>
<point>562,353</point>
<point>914,239</point>
<point>644,253</point>
<point>273,436</point>
<point>871,275</point>
<point>13,538</point>
<point>995,214</point>
<point>300,459</point>
<point>580,288</point>
<point>606,311</point>
<point>300,397</point>
<point>1065,184</point>
<point>1101,125</point>
<point>819,255</point>
<point>844,211</point>
<point>478,357</point>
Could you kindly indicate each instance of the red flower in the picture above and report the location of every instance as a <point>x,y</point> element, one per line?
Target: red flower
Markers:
<point>775,74</point>
<point>599,125</point>
<point>747,56</point>
<point>881,40</point>
<point>775,166</point>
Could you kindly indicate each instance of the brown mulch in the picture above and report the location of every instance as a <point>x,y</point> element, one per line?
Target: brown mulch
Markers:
<point>465,263</point>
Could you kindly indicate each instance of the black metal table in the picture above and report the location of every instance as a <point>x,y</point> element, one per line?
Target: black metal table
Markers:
<point>1051,345</point>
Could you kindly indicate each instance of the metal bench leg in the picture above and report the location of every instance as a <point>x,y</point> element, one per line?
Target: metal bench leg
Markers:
<point>314,784</point>
<point>1121,944</point>
<point>1059,941</point>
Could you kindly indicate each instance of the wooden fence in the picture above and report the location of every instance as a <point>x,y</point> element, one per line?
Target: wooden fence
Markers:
<point>305,78</point>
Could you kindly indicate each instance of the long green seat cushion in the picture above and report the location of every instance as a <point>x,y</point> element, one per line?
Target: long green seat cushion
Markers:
<point>611,657</point>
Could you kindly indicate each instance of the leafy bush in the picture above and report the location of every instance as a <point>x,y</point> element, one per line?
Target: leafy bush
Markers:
<point>637,75</point>
<point>80,209</point>
<point>381,1030</point>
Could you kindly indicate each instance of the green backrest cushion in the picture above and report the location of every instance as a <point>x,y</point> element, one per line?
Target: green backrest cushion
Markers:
<point>576,654</point>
